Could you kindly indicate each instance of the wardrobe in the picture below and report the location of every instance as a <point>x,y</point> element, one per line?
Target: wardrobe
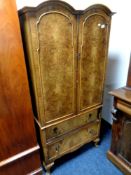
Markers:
<point>66,56</point>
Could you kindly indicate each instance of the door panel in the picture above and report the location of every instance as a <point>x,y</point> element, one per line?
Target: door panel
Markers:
<point>125,146</point>
<point>93,43</point>
<point>57,48</point>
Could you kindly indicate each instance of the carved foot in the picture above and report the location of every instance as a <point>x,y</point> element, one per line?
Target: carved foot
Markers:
<point>48,167</point>
<point>48,172</point>
<point>96,141</point>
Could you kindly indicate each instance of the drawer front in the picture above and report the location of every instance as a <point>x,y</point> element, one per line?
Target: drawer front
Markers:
<point>123,106</point>
<point>70,124</point>
<point>73,140</point>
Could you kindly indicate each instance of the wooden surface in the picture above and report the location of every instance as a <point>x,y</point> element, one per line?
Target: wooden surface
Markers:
<point>92,46</point>
<point>65,63</point>
<point>123,167</point>
<point>122,93</point>
<point>17,133</point>
<point>120,151</point>
<point>72,123</point>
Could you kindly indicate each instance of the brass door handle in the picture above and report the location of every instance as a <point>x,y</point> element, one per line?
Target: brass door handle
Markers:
<point>102,25</point>
<point>114,118</point>
<point>113,111</point>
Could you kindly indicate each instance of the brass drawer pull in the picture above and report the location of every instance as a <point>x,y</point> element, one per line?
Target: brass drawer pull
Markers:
<point>92,132</point>
<point>114,111</point>
<point>57,148</point>
<point>89,117</point>
<point>114,118</point>
<point>56,131</point>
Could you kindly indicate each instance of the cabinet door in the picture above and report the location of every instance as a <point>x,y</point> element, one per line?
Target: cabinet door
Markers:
<point>53,35</point>
<point>125,143</point>
<point>94,29</point>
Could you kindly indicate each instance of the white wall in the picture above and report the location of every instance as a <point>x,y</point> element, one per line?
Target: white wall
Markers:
<point>119,46</point>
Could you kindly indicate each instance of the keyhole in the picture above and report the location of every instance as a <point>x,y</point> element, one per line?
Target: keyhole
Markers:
<point>55,130</point>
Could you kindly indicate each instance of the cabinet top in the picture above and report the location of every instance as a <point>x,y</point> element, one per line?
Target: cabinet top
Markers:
<point>65,5</point>
<point>123,93</point>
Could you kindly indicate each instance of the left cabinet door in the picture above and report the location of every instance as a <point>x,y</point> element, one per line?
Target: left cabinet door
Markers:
<point>19,151</point>
<point>52,60</point>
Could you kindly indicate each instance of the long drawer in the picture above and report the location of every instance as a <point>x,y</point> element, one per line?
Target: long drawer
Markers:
<point>73,140</point>
<point>70,124</point>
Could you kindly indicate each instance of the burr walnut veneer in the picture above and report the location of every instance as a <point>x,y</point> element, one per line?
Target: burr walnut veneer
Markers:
<point>66,54</point>
<point>19,151</point>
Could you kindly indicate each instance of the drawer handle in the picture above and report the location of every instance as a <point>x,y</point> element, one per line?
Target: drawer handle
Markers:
<point>92,132</point>
<point>90,115</point>
<point>55,130</point>
<point>89,118</point>
<point>57,148</point>
<point>114,111</point>
<point>114,118</point>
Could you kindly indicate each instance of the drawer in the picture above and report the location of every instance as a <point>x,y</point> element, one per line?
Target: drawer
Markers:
<point>123,106</point>
<point>73,140</point>
<point>70,124</point>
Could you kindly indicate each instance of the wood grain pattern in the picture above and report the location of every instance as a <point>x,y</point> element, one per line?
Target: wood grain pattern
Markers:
<point>120,153</point>
<point>122,94</point>
<point>53,60</point>
<point>66,84</point>
<point>70,124</point>
<point>125,138</point>
<point>94,36</point>
<point>123,167</point>
<point>17,132</point>
<point>25,165</point>
<point>73,140</point>
<point>56,54</point>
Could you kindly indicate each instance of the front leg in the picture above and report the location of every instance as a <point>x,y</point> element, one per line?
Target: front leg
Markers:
<point>96,141</point>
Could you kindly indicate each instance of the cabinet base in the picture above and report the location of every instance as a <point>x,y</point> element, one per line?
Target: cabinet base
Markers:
<point>119,163</point>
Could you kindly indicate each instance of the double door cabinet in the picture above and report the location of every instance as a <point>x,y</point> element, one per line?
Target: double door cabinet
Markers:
<point>66,55</point>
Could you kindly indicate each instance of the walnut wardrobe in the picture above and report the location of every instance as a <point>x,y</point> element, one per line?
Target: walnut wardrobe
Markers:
<point>66,55</point>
